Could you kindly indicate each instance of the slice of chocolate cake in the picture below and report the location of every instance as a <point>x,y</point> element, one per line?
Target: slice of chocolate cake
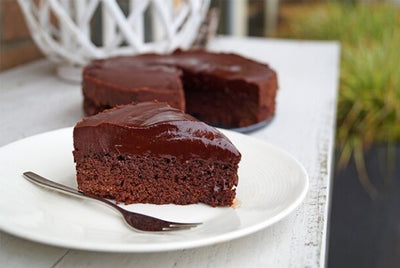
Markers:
<point>153,153</point>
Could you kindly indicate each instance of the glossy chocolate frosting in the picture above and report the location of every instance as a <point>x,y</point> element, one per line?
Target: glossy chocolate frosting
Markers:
<point>151,129</point>
<point>227,66</point>
<point>129,74</point>
<point>138,71</point>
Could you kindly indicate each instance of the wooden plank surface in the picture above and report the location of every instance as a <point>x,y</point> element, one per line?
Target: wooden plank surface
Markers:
<point>33,100</point>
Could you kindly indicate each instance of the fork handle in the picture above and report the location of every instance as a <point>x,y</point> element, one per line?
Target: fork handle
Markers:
<point>41,181</point>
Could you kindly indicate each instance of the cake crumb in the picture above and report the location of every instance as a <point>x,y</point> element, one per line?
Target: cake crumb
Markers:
<point>236,203</point>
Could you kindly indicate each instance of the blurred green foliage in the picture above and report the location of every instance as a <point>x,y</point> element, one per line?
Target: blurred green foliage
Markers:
<point>369,94</point>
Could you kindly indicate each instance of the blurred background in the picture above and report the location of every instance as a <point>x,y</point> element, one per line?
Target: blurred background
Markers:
<point>365,212</point>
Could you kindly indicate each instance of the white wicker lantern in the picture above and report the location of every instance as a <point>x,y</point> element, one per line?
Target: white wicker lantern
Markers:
<point>64,29</point>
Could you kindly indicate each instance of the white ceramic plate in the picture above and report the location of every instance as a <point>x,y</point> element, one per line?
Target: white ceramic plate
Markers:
<point>271,185</point>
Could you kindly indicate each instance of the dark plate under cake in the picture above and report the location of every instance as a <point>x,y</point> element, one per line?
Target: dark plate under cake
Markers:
<point>153,153</point>
<point>222,89</point>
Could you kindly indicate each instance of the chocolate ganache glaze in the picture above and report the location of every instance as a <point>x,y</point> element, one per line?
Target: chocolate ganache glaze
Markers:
<point>227,66</point>
<point>152,129</point>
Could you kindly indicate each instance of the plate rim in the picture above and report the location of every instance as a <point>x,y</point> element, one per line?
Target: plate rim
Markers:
<point>170,246</point>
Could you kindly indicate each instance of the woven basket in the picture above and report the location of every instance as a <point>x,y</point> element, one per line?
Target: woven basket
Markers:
<point>73,32</point>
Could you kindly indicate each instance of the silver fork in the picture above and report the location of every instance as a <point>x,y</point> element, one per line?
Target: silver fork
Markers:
<point>137,221</point>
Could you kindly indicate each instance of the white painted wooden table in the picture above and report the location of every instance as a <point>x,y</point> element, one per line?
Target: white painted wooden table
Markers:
<point>34,100</point>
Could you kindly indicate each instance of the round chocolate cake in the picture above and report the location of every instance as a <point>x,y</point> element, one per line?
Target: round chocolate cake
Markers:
<point>222,89</point>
